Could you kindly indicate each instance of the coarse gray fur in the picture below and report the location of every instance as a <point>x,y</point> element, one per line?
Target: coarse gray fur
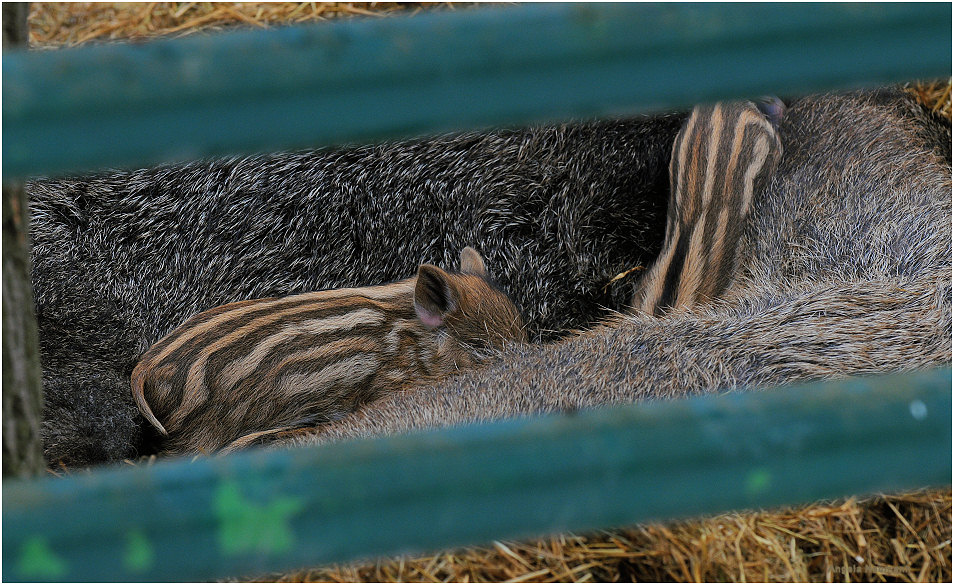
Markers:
<point>845,270</point>
<point>121,258</point>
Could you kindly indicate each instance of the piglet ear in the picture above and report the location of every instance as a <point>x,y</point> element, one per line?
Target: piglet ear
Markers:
<point>434,295</point>
<point>471,262</point>
<point>772,107</point>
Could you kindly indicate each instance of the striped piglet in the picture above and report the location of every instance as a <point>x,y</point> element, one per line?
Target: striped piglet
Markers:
<point>255,367</point>
<point>725,154</point>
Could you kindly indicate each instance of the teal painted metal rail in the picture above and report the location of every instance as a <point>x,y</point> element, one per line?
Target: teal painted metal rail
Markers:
<point>261,511</point>
<point>356,81</point>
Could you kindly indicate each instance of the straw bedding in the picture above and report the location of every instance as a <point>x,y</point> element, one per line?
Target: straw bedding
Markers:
<point>896,538</point>
<point>882,538</point>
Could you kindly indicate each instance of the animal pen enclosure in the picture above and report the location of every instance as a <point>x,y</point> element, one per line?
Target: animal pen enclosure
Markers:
<point>227,495</point>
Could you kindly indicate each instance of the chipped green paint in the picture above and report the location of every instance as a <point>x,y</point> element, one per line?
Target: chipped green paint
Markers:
<point>38,561</point>
<point>758,481</point>
<point>247,526</point>
<point>262,511</point>
<point>139,556</point>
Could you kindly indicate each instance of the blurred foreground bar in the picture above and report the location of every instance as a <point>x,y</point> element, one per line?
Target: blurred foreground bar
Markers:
<point>138,104</point>
<point>263,511</point>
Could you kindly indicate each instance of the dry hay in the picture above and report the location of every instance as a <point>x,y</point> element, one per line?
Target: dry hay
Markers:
<point>886,538</point>
<point>895,538</point>
<point>934,94</point>
<point>54,24</point>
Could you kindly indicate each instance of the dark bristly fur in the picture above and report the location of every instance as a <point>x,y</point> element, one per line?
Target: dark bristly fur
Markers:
<point>209,394</point>
<point>254,367</point>
<point>723,157</point>
<point>844,266</point>
<point>122,258</point>
<point>845,269</point>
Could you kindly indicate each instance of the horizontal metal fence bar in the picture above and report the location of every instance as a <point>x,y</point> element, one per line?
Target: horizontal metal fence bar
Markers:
<point>260,511</point>
<point>137,104</point>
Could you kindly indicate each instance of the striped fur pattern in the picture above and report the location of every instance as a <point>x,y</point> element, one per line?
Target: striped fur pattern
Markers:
<point>844,270</point>
<point>725,154</point>
<point>253,367</point>
<point>844,267</point>
<point>122,257</point>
